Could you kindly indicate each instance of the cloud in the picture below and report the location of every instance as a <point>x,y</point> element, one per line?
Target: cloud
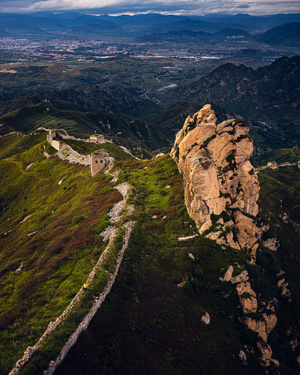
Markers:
<point>243,6</point>
<point>172,6</point>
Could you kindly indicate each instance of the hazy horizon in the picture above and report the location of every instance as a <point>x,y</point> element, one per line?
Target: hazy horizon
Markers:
<point>132,7</point>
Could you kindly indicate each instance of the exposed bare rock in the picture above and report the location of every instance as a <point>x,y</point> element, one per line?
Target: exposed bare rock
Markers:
<point>284,217</point>
<point>271,244</point>
<point>228,274</point>
<point>247,230</point>
<point>266,353</point>
<point>206,318</point>
<point>262,327</point>
<point>294,344</point>
<point>258,326</point>
<point>283,285</point>
<point>184,281</point>
<point>247,297</point>
<point>221,192</point>
<point>192,256</point>
<point>219,179</point>
<point>205,226</point>
<point>241,278</point>
<point>270,321</point>
<point>214,235</point>
<point>275,362</point>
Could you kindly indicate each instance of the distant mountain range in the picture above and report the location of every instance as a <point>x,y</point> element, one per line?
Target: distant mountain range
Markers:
<point>194,36</point>
<point>269,94</point>
<point>287,34</point>
<point>138,25</point>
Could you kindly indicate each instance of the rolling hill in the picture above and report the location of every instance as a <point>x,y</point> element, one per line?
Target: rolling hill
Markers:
<point>286,34</point>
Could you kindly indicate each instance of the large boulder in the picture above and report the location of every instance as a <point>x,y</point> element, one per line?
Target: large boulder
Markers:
<point>219,179</point>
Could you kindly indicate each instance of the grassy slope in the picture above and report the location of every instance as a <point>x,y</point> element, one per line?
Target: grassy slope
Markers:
<point>149,325</point>
<point>57,259</point>
<point>283,155</point>
<point>280,193</point>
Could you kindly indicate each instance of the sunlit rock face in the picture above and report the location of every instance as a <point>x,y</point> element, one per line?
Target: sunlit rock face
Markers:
<point>220,185</point>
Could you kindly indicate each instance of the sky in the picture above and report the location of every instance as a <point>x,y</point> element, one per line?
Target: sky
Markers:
<point>185,7</point>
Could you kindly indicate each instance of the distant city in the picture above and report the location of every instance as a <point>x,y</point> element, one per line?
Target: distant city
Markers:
<point>16,50</point>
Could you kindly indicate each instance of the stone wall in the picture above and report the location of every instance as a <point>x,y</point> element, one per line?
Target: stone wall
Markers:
<point>67,153</point>
<point>117,213</point>
<point>98,302</point>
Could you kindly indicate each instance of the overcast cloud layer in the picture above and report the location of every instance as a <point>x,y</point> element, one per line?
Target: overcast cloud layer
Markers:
<point>196,7</point>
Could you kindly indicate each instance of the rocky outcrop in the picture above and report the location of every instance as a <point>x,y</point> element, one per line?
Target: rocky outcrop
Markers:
<point>220,185</point>
<point>221,191</point>
<point>262,327</point>
<point>267,318</point>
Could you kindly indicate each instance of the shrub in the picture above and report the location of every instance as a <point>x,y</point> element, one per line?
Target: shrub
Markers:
<point>78,220</point>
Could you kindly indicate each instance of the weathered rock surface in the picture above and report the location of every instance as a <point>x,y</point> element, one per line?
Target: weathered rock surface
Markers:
<point>271,243</point>
<point>228,274</point>
<point>266,353</point>
<point>221,191</point>
<point>241,278</point>
<point>243,357</point>
<point>262,327</point>
<point>283,285</point>
<point>247,297</point>
<point>219,179</point>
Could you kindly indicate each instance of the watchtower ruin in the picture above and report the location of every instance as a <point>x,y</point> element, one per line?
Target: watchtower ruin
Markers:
<point>97,138</point>
<point>99,161</point>
<point>54,142</point>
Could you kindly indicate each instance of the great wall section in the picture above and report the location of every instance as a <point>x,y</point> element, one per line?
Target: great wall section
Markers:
<point>119,213</point>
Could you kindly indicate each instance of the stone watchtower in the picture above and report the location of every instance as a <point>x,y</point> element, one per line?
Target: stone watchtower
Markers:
<point>99,161</point>
<point>51,138</point>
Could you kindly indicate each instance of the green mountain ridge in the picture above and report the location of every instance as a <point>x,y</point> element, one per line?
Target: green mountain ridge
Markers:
<point>50,234</point>
<point>27,119</point>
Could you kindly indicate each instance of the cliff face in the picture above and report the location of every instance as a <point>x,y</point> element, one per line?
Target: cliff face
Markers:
<point>221,191</point>
<point>220,184</point>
